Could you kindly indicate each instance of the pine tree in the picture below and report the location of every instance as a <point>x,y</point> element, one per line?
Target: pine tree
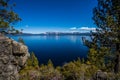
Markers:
<point>7,15</point>
<point>34,60</point>
<point>106,39</point>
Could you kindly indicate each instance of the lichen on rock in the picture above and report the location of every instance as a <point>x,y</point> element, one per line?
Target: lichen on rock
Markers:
<point>13,57</point>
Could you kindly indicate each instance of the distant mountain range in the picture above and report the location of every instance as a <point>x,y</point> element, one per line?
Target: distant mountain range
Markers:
<point>55,33</point>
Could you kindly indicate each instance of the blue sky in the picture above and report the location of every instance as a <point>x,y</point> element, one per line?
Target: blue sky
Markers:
<point>54,15</point>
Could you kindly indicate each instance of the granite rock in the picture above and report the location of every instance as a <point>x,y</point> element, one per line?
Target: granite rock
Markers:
<point>13,56</point>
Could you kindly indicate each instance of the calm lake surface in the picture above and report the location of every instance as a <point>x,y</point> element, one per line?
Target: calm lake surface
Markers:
<point>60,49</point>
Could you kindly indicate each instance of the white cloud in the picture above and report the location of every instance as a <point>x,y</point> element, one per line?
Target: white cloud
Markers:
<point>83,29</point>
<point>87,28</point>
<point>73,28</point>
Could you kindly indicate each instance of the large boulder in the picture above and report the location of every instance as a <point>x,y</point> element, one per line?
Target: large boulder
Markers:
<point>13,56</point>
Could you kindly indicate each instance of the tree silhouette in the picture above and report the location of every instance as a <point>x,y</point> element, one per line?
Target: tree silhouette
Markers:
<point>7,15</point>
<point>22,30</point>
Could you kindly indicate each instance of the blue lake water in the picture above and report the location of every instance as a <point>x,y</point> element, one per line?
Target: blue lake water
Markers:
<point>60,49</point>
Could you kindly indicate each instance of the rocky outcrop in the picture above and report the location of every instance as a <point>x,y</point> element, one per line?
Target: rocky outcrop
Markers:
<point>100,75</point>
<point>13,56</point>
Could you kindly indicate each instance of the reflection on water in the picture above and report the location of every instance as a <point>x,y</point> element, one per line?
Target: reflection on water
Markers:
<point>73,38</point>
<point>57,37</point>
<point>60,49</point>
